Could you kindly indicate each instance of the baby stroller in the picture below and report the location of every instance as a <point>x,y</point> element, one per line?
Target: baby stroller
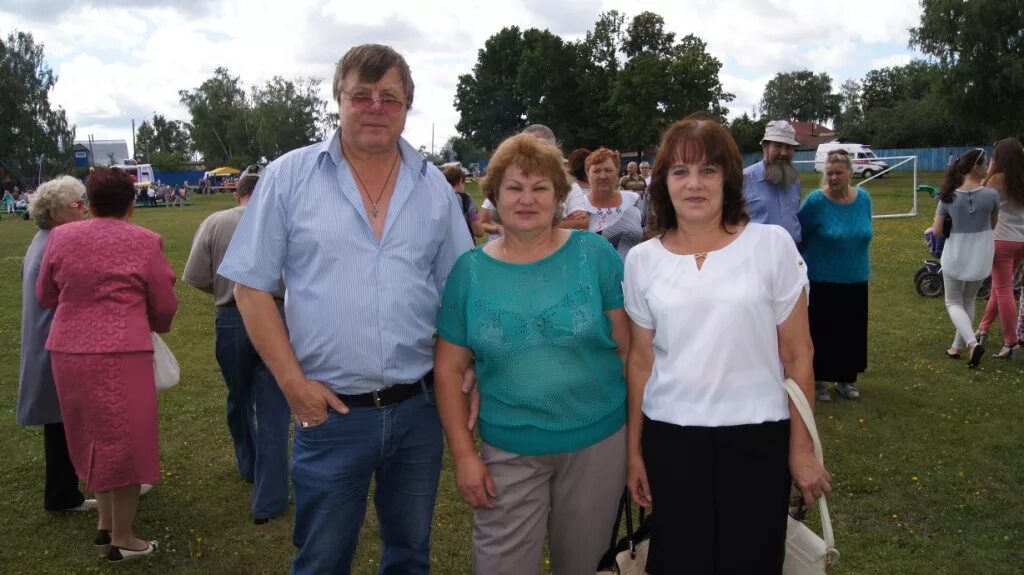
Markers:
<point>928,278</point>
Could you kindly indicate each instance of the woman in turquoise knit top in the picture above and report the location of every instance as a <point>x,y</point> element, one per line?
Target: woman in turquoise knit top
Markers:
<point>836,224</point>
<point>541,311</point>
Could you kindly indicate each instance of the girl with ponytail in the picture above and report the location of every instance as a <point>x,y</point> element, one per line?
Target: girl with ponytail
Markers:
<point>968,253</point>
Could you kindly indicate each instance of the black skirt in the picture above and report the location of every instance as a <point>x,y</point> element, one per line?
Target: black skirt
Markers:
<point>839,329</point>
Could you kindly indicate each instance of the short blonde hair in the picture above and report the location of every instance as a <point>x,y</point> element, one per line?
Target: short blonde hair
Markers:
<point>533,156</point>
<point>841,157</point>
<point>52,197</point>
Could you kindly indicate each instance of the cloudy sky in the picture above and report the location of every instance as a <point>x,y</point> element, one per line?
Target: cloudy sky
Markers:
<point>119,61</point>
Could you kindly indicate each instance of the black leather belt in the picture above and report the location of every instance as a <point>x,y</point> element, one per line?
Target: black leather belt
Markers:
<point>389,395</point>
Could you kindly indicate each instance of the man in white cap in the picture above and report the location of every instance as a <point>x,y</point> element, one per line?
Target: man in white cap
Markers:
<point>771,187</point>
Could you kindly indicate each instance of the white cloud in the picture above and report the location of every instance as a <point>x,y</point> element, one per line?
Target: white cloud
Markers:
<point>891,61</point>
<point>123,61</point>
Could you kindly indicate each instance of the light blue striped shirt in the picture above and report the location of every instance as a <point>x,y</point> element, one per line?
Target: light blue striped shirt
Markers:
<point>361,312</point>
<point>771,204</point>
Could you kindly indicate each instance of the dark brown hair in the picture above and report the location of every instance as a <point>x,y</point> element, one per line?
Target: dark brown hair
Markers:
<point>110,191</point>
<point>956,173</point>
<point>577,164</point>
<point>693,139</point>
<point>1008,160</point>
<point>370,62</point>
<point>531,155</point>
<point>454,175</point>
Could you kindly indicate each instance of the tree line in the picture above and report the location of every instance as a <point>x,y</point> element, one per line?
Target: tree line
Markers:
<point>622,84</point>
<point>619,85</point>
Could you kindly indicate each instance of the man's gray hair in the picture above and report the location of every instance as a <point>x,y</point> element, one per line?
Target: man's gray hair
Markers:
<point>53,196</point>
<point>543,132</point>
<point>370,62</point>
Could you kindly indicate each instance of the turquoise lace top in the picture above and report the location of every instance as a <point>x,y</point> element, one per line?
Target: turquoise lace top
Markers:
<point>837,238</point>
<point>549,378</point>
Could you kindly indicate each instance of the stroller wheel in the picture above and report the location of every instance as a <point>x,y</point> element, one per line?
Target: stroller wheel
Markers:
<point>986,288</point>
<point>929,284</point>
<point>917,274</point>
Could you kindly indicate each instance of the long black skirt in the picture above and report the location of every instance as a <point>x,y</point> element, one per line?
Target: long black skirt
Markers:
<point>839,329</point>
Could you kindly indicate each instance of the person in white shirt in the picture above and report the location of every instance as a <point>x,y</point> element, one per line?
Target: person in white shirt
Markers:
<point>718,311</point>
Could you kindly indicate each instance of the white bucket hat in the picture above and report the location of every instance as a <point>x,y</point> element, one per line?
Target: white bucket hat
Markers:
<point>780,131</point>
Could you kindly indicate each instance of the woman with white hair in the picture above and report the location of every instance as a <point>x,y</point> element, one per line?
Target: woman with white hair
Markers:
<point>56,202</point>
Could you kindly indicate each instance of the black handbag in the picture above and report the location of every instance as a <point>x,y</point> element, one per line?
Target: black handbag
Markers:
<point>628,555</point>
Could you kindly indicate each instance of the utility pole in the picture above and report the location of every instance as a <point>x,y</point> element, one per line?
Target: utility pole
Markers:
<point>432,138</point>
<point>135,152</point>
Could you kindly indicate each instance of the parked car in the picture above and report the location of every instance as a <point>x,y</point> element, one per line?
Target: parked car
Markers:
<point>865,162</point>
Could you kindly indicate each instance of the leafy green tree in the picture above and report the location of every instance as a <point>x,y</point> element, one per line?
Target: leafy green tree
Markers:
<point>464,150</point>
<point>488,99</point>
<point>980,47</point>
<point>887,87</point>
<point>646,35</point>
<point>33,133</point>
<point>800,96</point>
<point>655,89</point>
<point>907,107</point>
<point>748,133</point>
<point>287,115</point>
<point>618,86</point>
<point>219,127</point>
<point>163,136</point>
<point>167,162</point>
<point>851,113</point>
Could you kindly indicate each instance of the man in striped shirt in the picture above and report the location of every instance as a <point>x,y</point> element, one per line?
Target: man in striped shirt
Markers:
<point>771,187</point>
<point>365,232</point>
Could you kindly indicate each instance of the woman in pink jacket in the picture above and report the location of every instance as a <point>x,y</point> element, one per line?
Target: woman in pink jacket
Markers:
<point>111,285</point>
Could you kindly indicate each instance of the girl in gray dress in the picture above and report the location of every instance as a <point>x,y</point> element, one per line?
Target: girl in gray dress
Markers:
<point>967,255</point>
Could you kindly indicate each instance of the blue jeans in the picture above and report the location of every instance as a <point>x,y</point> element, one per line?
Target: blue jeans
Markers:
<point>332,464</point>
<point>258,416</point>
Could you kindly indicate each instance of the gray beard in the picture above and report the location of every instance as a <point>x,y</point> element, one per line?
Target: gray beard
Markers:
<point>780,174</point>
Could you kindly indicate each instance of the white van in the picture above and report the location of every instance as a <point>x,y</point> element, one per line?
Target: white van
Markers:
<point>141,174</point>
<point>865,162</point>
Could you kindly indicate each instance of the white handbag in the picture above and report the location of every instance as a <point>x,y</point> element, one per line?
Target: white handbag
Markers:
<point>627,556</point>
<point>166,370</point>
<point>806,553</point>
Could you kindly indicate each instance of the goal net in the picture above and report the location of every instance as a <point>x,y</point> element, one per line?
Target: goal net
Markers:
<point>893,190</point>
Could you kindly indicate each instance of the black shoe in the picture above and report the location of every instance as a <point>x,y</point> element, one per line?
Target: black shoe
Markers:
<point>102,542</point>
<point>976,354</point>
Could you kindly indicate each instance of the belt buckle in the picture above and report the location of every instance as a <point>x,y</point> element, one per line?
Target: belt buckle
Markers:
<point>376,398</point>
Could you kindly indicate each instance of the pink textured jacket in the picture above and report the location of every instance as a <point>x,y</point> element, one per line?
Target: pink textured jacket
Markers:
<point>111,285</point>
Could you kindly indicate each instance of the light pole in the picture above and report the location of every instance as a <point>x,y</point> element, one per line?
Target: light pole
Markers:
<point>134,151</point>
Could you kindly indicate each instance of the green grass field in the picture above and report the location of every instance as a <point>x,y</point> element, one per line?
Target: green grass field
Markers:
<point>927,466</point>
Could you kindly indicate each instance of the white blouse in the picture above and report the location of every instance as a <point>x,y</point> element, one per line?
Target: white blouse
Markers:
<point>716,348</point>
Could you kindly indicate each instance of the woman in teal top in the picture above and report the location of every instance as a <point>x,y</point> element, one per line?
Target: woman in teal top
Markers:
<point>836,224</point>
<point>541,311</point>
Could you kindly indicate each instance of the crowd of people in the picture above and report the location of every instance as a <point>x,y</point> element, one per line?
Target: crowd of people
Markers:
<point>165,195</point>
<point>588,347</point>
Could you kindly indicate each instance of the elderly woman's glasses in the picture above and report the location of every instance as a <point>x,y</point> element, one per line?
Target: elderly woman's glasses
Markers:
<point>78,204</point>
<point>362,101</point>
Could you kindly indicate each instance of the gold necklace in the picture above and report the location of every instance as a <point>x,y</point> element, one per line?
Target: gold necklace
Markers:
<point>373,202</point>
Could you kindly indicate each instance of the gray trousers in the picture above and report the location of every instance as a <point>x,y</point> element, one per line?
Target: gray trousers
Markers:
<point>573,497</point>
<point>960,304</point>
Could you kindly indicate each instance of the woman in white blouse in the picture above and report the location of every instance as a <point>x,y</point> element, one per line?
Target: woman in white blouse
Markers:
<point>718,310</point>
<point>615,214</point>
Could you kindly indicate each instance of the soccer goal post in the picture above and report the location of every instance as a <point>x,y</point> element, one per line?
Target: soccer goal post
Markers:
<point>892,197</point>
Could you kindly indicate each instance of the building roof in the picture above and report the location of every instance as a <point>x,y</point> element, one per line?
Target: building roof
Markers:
<point>103,150</point>
<point>810,134</point>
